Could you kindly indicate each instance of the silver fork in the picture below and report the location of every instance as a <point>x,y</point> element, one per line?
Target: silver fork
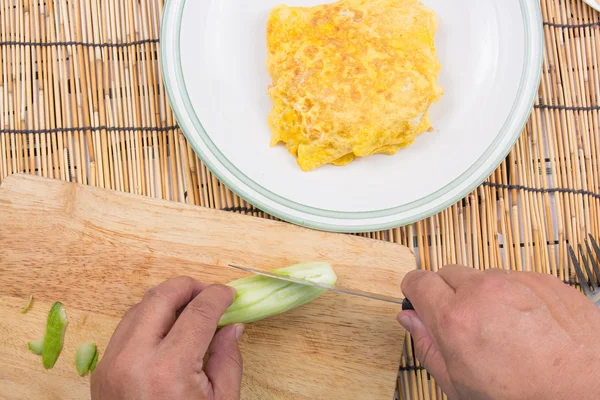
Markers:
<point>591,285</point>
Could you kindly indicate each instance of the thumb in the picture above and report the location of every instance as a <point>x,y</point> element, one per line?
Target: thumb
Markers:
<point>427,351</point>
<point>224,366</point>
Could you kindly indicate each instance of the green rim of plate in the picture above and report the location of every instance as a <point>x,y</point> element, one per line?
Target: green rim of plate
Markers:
<point>521,109</point>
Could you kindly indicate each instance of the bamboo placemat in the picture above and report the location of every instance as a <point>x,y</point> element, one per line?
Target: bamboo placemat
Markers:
<point>81,99</point>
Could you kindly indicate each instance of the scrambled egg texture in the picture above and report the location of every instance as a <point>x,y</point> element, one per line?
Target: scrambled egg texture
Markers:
<point>351,79</point>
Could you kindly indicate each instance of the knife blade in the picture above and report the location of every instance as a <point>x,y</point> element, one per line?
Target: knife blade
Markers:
<point>406,305</point>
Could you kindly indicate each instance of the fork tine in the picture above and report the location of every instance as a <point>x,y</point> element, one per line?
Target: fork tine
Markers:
<point>587,268</point>
<point>593,262</point>
<point>578,271</point>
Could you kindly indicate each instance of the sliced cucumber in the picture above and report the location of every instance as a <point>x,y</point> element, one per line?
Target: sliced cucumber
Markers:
<point>24,309</point>
<point>36,346</point>
<point>84,356</point>
<point>94,362</point>
<point>55,335</point>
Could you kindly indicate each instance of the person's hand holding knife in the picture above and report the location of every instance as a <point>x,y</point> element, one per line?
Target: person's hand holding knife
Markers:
<point>503,334</point>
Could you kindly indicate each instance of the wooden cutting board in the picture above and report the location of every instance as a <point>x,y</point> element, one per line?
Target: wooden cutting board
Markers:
<point>98,251</point>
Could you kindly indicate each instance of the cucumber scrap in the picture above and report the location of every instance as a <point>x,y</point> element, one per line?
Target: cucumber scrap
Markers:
<point>55,335</point>
<point>24,309</point>
<point>259,297</point>
<point>84,356</point>
<point>36,346</point>
<point>94,362</point>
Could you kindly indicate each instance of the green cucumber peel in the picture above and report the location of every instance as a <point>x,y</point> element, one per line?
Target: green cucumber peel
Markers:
<point>24,309</point>
<point>84,356</point>
<point>258,297</point>
<point>55,335</point>
<point>36,346</point>
<point>94,362</point>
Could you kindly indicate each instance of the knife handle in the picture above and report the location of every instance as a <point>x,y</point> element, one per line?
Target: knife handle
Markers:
<point>407,305</point>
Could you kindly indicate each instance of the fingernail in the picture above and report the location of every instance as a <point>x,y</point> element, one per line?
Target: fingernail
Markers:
<point>239,331</point>
<point>406,322</point>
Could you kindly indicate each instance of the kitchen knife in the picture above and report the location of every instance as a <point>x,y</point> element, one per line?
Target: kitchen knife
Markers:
<point>406,305</point>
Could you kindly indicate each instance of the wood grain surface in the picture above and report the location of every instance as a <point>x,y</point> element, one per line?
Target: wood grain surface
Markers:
<point>98,251</point>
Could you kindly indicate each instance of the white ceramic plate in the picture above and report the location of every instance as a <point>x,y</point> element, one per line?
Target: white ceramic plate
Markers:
<point>214,66</point>
<point>594,4</point>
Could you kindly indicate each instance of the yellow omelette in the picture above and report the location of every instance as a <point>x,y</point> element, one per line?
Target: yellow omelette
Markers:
<point>351,79</point>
